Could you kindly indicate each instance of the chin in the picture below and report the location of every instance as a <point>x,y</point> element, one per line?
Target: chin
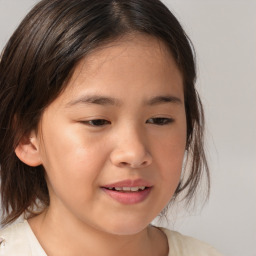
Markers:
<point>126,228</point>
<point>128,231</point>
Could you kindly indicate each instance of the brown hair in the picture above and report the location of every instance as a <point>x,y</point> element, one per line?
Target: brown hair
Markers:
<point>41,56</point>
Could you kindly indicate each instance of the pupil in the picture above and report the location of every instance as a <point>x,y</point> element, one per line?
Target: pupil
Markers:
<point>98,122</point>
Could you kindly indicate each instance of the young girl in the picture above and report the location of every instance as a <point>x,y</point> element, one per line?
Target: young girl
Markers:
<point>98,110</point>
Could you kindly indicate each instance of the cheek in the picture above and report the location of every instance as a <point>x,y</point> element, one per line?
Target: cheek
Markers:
<point>69,154</point>
<point>170,153</point>
<point>171,159</point>
<point>72,168</point>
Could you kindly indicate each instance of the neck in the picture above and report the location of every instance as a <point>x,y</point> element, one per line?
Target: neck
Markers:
<point>65,237</point>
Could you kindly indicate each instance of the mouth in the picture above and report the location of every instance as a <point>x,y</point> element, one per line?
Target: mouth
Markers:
<point>128,191</point>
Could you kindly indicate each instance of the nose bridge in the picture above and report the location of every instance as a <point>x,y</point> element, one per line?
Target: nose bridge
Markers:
<point>134,140</point>
<point>132,148</point>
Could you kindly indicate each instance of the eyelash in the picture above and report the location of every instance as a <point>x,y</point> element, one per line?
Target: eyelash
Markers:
<point>96,122</point>
<point>160,121</point>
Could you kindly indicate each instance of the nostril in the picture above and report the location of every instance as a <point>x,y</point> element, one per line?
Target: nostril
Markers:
<point>138,165</point>
<point>130,159</point>
<point>123,164</point>
<point>133,165</point>
<point>144,163</point>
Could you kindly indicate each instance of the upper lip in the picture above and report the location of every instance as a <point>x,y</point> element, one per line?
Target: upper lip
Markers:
<point>129,183</point>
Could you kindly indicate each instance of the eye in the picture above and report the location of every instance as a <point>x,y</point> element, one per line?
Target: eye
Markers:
<point>160,121</point>
<point>96,122</point>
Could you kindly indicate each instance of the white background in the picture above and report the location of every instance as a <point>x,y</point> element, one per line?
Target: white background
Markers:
<point>224,35</point>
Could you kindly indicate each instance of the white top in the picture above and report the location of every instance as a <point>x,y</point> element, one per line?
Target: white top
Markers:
<point>19,240</point>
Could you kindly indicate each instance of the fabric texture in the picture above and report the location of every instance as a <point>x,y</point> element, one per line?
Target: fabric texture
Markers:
<point>19,240</point>
<point>180,245</point>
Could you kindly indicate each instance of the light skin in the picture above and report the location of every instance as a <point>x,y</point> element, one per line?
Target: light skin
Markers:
<point>121,117</point>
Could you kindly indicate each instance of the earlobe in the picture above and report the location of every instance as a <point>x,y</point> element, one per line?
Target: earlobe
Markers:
<point>28,150</point>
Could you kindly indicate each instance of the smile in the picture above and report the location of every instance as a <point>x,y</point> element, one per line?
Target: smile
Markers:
<point>127,189</point>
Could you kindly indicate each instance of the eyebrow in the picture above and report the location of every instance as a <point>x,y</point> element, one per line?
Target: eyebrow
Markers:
<point>163,99</point>
<point>95,99</point>
<point>104,101</point>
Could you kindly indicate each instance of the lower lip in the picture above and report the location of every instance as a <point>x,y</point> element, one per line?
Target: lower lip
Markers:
<point>128,197</point>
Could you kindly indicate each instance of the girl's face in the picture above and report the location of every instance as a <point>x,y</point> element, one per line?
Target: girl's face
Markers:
<point>112,143</point>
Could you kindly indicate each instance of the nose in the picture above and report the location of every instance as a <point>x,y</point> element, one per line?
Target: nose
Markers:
<point>131,152</point>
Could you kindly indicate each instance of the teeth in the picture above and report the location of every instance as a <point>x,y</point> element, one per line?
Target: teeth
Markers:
<point>127,189</point>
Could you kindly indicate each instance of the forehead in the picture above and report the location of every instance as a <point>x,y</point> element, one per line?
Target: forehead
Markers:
<point>131,61</point>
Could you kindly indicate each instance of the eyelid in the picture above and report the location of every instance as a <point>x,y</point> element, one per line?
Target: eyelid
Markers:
<point>97,122</point>
<point>160,121</point>
<point>101,122</point>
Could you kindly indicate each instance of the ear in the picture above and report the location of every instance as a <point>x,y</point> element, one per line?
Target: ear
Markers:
<point>28,150</point>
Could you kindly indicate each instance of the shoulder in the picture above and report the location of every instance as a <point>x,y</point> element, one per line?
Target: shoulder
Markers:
<point>18,239</point>
<point>180,245</point>
<point>13,240</point>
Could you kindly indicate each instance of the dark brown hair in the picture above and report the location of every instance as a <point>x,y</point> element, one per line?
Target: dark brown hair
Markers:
<point>41,56</point>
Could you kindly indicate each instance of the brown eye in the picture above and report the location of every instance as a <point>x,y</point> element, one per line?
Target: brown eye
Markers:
<point>160,121</point>
<point>97,122</point>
